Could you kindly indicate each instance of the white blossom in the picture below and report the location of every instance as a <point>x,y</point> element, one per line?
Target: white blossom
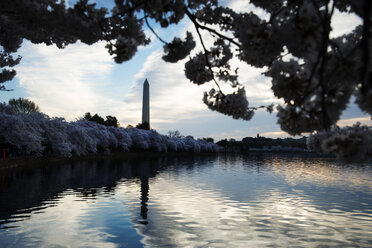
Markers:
<point>352,143</point>
<point>235,104</point>
<point>38,134</point>
<point>197,71</point>
<point>178,49</point>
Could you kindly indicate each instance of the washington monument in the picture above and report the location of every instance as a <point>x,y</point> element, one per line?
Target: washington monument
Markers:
<point>146,103</point>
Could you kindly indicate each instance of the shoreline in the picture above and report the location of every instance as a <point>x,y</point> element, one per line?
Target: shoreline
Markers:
<point>29,161</point>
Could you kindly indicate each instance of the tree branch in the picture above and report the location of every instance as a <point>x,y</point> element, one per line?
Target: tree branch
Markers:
<point>211,30</point>
<point>365,43</point>
<point>2,88</point>
<point>326,31</point>
<point>206,52</point>
<point>153,31</point>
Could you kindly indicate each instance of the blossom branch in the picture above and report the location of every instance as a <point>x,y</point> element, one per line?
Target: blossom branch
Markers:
<point>206,52</point>
<point>198,25</point>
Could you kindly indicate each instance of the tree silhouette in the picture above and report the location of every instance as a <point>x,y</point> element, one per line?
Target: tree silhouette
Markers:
<point>175,134</point>
<point>208,139</point>
<point>6,74</point>
<point>110,120</point>
<point>144,126</point>
<point>97,119</point>
<point>23,105</point>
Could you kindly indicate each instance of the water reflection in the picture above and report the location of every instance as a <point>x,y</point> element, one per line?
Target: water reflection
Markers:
<point>225,201</point>
<point>144,199</point>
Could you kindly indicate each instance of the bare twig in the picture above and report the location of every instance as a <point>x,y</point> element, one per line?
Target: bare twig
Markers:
<point>2,88</point>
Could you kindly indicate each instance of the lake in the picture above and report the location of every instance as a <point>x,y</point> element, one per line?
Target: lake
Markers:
<point>260,200</point>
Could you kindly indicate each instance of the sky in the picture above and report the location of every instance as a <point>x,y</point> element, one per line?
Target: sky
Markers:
<point>80,78</point>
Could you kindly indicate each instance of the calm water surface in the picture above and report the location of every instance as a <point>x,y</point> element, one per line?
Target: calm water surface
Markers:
<point>218,201</point>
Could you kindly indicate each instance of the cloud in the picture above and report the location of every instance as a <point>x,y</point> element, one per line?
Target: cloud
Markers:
<point>65,82</point>
<point>176,103</point>
<point>349,122</point>
<point>276,134</point>
<point>172,97</point>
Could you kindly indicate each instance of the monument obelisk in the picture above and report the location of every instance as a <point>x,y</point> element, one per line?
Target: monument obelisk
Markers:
<point>146,103</point>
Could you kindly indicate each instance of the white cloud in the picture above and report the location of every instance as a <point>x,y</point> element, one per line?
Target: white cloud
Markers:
<point>60,224</point>
<point>65,82</point>
<point>275,134</point>
<point>245,6</point>
<point>176,103</point>
<point>172,97</point>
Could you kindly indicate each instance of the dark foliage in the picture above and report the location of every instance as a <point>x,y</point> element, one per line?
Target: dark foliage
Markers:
<point>23,105</point>
<point>208,139</point>
<point>145,126</point>
<point>110,120</point>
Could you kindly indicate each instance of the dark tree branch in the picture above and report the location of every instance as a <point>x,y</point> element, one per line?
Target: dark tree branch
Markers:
<point>2,88</point>
<point>332,73</point>
<point>206,52</point>
<point>260,107</point>
<point>153,31</point>
<point>129,9</point>
<point>326,31</point>
<point>316,64</point>
<point>365,43</point>
<point>211,30</point>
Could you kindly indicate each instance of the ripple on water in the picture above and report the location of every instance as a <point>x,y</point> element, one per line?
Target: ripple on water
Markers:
<point>226,202</point>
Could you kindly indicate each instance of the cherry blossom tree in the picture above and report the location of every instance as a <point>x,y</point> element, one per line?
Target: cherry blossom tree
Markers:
<point>350,143</point>
<point>313,73</point>
<point>37,134</point>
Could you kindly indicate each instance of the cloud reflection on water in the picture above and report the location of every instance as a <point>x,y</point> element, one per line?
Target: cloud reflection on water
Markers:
<point>232,201</point>
<point>184,215</point>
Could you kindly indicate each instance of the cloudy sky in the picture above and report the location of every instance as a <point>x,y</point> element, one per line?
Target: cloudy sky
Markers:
<point>81,78</point>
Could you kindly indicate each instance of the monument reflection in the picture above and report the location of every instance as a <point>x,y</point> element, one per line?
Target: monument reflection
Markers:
<point>26,189</point>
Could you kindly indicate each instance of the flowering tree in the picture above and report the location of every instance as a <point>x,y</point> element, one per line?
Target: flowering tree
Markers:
<point>313,73</point>
<point>350,143</point>
<point>38,134</point>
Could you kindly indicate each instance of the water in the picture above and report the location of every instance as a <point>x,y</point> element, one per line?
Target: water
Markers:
<point>207,201</point>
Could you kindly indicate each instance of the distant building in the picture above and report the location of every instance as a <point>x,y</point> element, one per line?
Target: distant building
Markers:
<point>146,103</point>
